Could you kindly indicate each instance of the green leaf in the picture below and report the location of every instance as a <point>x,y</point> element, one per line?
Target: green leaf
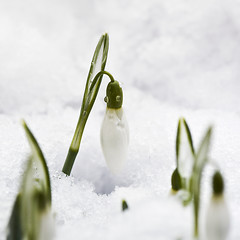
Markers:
<point>200,162</point>
<point>34,198</point>
<point>203,150</point>
<point>184,149</point>
<point>98,64</point>
<point>38,161</point>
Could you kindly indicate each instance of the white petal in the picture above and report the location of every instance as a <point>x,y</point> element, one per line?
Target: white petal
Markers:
<point>217,222</point>
<point>115,139</point>
<point>47,226</point>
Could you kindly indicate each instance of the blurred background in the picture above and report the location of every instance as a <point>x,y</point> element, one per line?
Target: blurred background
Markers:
<point>184,53</point>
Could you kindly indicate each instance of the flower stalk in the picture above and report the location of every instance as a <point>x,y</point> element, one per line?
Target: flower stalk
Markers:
<point>90,94</point>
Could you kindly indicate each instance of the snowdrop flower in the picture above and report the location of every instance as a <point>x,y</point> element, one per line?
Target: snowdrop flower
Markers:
<point>114,131</point>
<point>217,222</point>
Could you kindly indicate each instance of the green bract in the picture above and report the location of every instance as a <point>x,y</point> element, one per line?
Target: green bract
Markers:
<point>98,64</point>
<point>114,98</point>
<point>34,199</point>
<point>176,180</point>
<point>218,183</point>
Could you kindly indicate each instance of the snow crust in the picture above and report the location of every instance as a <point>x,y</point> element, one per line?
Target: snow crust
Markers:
<point>173,58</point>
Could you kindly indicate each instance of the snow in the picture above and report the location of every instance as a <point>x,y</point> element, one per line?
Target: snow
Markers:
<point>173,58</point>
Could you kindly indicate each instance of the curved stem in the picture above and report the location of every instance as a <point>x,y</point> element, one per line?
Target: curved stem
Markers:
<point>98,75</point>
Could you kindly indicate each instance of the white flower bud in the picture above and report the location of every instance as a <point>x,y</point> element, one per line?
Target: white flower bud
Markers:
<point>217,222</point>
<point>115,139</point>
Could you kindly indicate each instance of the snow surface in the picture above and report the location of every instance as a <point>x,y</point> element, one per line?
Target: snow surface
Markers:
<point>174,58</point>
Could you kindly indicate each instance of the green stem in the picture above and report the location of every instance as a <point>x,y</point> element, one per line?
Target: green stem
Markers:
<point>74,147</point>
<point>196,210</point>
<point>89,98</point>
<point>97,77</point>
<point>72,154</point>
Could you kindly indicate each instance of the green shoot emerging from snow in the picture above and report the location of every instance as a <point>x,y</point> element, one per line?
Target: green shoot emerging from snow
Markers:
<point>34,199</point>
<point>124,205</point>
<point>97,65</point>
<point>201,159</point>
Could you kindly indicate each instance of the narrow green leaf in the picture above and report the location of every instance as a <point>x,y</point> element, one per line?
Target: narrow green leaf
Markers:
<point>202,153</point>
<point>98,64</point>
<point>178,139</point>
<point>42,172</point>
<point>200,162</point>
<point>184,149</point>
<point>34,198</point>
<point>35,190</point>
<point>189,135</point>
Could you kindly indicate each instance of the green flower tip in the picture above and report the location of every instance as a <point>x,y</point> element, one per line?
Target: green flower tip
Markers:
<point>218,183</point>
<point>124,205</point>
<point>176,180</point>
<point>114,98</point>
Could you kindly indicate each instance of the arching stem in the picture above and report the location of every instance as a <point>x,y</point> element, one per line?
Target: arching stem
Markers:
<point>97,77</point>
